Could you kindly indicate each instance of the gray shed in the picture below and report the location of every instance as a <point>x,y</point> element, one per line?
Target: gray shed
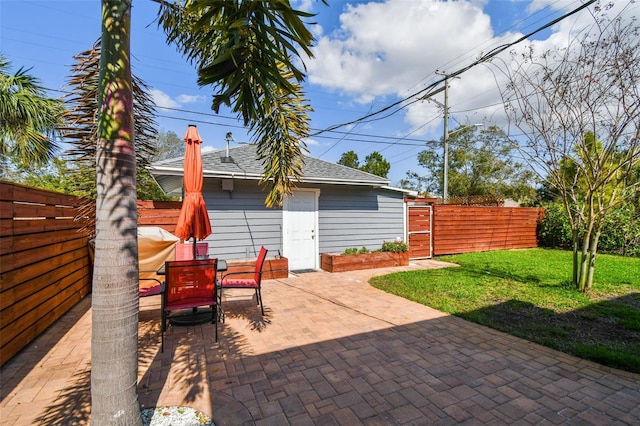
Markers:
<point>333,208</point>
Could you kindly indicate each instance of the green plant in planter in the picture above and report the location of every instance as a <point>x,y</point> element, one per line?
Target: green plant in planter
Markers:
<point>355,250</point>
<point>397,246</point>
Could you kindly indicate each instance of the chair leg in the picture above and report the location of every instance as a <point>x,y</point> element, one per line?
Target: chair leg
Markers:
<point>259,294</point>
<point>221,311</point>
<point>214,320</point>
<point>163,318</point>
<point>163,328</point>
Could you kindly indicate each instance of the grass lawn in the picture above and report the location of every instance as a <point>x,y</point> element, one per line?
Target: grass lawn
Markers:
<point>528,293</point>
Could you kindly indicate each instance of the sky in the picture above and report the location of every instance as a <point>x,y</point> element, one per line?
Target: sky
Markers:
<point>368,55</point>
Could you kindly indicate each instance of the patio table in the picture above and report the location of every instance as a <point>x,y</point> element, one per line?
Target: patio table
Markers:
<point>222,267</point>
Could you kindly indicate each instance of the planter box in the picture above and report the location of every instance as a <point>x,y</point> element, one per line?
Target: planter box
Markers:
<point>350,262</point>
<point>272,268</point>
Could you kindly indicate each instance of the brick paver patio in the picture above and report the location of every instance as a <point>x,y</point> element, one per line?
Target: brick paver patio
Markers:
<point>330,350</point>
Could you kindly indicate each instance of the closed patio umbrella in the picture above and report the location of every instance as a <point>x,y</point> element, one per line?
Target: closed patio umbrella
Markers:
<point>193,221</point>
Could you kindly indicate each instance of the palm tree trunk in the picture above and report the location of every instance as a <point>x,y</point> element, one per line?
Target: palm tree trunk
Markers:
<point>114,340</point>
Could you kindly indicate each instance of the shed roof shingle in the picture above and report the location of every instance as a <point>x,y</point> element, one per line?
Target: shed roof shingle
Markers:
<point>245,165</point>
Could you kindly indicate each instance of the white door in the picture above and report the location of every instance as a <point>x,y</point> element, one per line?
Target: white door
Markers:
<point>300,224</point>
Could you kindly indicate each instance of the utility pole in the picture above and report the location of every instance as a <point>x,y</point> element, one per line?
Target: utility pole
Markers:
<point>445,174</point>
<point>445,138</point>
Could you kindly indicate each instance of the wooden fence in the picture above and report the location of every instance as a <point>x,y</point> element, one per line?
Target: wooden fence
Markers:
<point>464,229</point>
<point>439,229</point>
<point>45,263</point>
<point>163,214</point>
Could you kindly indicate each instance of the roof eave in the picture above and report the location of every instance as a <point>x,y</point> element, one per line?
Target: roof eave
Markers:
<point>411,192</point>
<point>344,181</point>
<point>254,176</point>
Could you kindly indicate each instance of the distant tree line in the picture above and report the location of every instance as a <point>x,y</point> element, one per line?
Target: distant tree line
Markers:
<point>374,163</point>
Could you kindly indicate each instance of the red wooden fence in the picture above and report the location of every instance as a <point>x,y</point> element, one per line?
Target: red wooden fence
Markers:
<point>163,214</point>
<point>439,229</point>
<point>464,229</point>
<point>45,263</point>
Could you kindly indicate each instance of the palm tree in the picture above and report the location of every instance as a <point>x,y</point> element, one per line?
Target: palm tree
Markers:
<point>244,48</point>
<point>81,128</point>
<point>28,119</point>
<point>114,343</point>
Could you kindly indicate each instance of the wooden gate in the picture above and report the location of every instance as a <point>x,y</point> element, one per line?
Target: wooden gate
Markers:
<point>420,229</point>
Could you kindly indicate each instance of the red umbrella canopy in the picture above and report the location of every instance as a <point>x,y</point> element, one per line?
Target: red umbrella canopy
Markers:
<point>194,219</point>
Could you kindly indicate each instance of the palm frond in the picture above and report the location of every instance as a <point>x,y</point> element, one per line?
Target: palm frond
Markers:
<point>245,50</point>
<point>28,118</point>
<point>81,128</point>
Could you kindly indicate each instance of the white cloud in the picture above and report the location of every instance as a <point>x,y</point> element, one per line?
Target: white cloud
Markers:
<point>161,99</point>
<point>537,5</point>
<point>383,48</point>
<point>392,49</point>
<point>304,5</point>
<point>190,99</point>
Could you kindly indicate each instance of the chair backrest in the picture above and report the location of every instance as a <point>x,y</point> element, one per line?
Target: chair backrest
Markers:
<point>259,263</point>
<point>190,282</point>
<point>184,251</point>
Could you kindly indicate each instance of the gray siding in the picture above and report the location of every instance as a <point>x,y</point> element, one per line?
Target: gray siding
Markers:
<point>348,216</point>
<point>358,217</point>
<point>240,222</point>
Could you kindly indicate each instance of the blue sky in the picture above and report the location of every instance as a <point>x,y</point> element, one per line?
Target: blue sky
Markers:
<point>367,55</point>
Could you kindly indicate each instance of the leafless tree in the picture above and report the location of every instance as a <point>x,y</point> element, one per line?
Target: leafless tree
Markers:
<point>579,110</point>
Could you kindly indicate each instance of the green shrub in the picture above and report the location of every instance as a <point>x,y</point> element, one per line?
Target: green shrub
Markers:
<point>620,233</point>
<point>396,246</point>
<point>350,250</point>
<point>554,230</point>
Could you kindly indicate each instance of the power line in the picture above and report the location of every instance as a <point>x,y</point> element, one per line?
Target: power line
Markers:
<point>452,63</point>
<point>384,139</point>
<point>429,91</point>
<point>356,137</point>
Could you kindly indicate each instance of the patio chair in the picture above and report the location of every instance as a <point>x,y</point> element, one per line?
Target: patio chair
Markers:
<point>153,290</point>
<point>156,289</point>
<point>253,283</point>
<point>190,284</point>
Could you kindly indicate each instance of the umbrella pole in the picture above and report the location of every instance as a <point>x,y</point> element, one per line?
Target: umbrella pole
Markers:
<point>194,310</point>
